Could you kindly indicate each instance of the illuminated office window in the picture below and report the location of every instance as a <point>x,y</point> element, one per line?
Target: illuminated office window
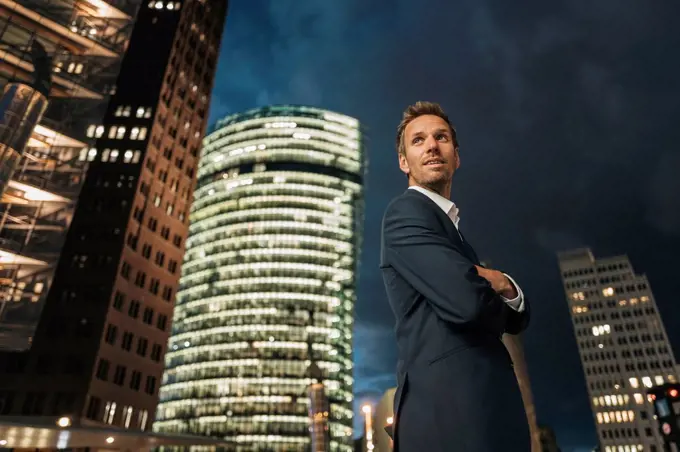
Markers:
<point>269,272</point>
<point>127,413</point>
<point>109,412</point>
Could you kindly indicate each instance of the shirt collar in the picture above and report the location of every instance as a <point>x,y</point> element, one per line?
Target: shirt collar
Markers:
<point>448,206</point>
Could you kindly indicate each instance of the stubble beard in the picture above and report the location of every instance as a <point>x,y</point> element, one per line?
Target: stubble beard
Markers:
<point>437,184</point>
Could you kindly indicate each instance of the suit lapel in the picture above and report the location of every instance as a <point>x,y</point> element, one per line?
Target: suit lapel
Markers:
<point>454,233</point>
<point>469,249</point>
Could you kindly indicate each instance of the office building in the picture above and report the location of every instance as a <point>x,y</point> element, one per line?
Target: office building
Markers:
<point>92,271</point>
<point>270,267</point>
<point>623,346</point>
<point>58,64</point>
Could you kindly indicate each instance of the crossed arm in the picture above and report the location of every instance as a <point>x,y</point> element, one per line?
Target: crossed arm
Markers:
<point>437,268</point>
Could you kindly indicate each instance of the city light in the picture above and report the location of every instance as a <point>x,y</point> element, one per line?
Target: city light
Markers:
<point>64,421</point>
<point>367,409</point>
<point>268,280</point>
<point>601,330</point>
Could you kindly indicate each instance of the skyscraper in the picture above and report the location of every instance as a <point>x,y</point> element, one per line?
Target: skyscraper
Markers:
<point>142,74</point>
<point>270,266</point>
<point>62,59</point>
<point>623,346</point>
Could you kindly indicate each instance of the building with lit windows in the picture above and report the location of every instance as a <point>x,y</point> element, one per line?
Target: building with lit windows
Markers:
<point>623,346</point>
<point>270,267</point>
<point>84,43</point>
<point>95,216</point>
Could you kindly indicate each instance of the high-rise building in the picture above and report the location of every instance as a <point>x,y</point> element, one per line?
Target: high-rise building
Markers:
<point>87,323</point>
<point>270,267</point>
<point>623,346</point>
<point>66,55</point>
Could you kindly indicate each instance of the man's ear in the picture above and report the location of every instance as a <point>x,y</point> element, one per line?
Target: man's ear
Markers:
<point>403,164</point>
<point>457,158</point>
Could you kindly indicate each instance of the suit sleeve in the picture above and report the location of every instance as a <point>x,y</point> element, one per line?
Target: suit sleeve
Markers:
<point>422,254</point>
<point>517,320</point>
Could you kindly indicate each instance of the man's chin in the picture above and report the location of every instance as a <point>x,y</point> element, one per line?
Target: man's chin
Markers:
<point>439,181</point>
<point>434,185</point>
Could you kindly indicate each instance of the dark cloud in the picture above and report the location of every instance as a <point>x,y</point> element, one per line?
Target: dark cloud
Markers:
<point>663,211</point>
<point>567,115</point>
<point>374,349</point>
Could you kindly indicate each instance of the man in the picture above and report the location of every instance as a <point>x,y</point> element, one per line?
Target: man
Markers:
<point>457,390</point>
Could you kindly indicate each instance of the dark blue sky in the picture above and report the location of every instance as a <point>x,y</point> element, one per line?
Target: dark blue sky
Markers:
<point>567,114</point>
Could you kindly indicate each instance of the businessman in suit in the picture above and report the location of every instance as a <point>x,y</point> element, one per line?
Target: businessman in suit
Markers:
<point>456,387</point>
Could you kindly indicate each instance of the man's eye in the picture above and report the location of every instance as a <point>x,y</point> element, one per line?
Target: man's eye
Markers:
<point>417,140</point>
<point>442,137</point>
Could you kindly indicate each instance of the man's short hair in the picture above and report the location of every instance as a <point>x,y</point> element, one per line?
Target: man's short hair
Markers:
<point>422,108</point>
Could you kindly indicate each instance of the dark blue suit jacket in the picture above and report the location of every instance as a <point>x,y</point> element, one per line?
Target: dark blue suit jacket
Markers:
<point>457,390</point>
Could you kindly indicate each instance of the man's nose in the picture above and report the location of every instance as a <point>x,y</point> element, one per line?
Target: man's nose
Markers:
<point>431,143</point>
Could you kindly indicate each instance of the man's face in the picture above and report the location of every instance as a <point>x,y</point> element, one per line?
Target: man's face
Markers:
<point>431,157</point>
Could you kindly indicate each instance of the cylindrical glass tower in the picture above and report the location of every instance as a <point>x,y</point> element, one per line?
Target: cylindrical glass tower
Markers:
<point>270,266</point>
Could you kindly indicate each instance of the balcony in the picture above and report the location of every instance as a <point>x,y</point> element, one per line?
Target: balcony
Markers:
<point>35,212</point>
<point>11,258</point>
<point>44,137</point>
<point>14,65</point>
<point>100,8</point>
<point>18,193</point>
<point>91,27</point>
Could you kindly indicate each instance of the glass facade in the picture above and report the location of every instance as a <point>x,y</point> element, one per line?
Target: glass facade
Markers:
<point>270,267</point>
<point>81,46</point>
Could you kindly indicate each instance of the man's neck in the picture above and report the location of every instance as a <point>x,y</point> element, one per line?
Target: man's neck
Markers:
<point>444,192</point>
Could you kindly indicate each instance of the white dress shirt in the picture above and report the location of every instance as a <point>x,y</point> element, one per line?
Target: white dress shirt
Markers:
<point>450,209</point>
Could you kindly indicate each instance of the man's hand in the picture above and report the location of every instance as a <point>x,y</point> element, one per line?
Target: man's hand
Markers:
<point>499,282</point>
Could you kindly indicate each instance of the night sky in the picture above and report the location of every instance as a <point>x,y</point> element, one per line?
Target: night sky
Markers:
<point>568,116</point>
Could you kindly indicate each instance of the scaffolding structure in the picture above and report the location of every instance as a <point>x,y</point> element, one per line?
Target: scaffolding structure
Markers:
<point>85,40</point>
